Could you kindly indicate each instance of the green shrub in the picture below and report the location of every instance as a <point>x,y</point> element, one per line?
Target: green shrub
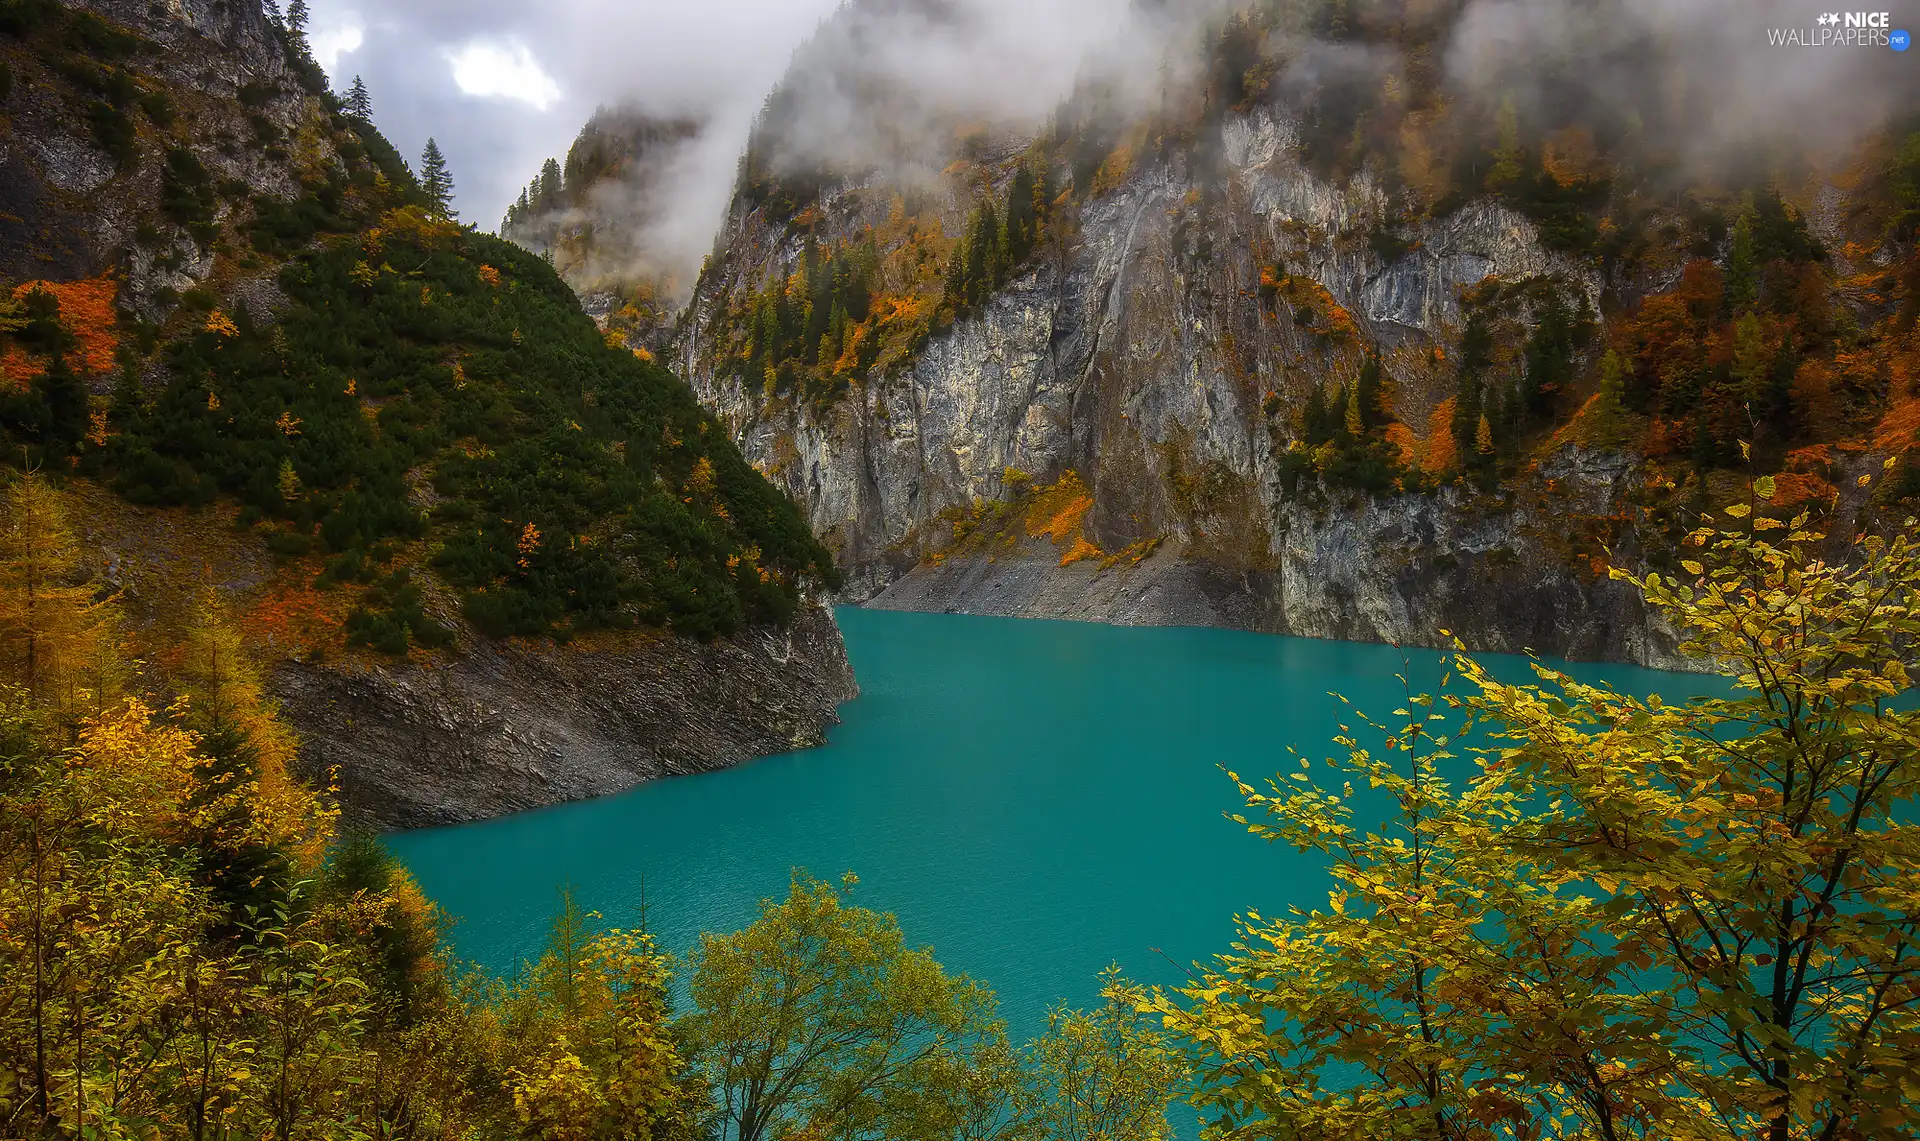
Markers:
<point>113,130</point>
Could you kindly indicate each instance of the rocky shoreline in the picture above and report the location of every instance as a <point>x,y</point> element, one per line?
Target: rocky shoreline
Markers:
<point>507,727</point>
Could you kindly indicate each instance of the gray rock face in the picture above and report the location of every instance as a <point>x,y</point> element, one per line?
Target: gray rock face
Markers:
<point>506,728</point>
<point>1142,357</point>
<point>69,210</point>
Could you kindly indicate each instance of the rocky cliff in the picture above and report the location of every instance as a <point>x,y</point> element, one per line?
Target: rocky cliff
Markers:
<point>173,178</point>
<point>1139,358</point>
<point>1209,297</point>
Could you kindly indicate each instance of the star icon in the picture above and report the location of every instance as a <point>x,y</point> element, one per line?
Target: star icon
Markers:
<point>1829,18</point>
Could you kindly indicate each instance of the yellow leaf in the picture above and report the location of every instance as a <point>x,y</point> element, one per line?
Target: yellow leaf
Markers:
<point>1763,487</point>
<point>1863,481</point>
<point>1739,510</point>
<point>1693,567</point>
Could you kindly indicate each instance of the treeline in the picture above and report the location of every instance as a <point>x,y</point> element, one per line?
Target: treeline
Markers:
<point>611,142</point>
<point>825,327</point>
<point>1344,439</point>
<point>190,947</point>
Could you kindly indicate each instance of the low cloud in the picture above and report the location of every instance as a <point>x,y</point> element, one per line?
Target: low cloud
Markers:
<point>886,82</point>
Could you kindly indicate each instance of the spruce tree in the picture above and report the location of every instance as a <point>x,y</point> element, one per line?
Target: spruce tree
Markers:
<point>1742,273</point>
<point>297,16</point>
<point>548,187</point>
<point>359,104</point>
<point>436,181</point>
<point>1549,356</point>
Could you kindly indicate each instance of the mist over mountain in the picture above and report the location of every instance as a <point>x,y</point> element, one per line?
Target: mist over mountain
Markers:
<point>902,87</point>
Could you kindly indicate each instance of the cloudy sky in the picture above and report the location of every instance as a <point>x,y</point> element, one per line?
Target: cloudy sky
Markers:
<point>504,84</point>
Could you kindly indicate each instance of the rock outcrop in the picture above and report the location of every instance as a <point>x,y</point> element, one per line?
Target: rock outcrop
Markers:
<point>507,727</point>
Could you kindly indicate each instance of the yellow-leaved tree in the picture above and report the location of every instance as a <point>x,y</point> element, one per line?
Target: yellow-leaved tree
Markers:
<point>1600,916</point>
<point>58,636</point>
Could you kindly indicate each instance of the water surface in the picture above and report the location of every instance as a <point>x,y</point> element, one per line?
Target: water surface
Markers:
<point>1033,799</point>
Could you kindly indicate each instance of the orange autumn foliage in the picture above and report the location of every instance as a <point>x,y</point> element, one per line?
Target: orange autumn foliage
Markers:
<point>1442,455</point>
<point>1794,487</point>
<point>1081,549</point>
<point>1058,511</point>
<point>292,618</point>
<point>87,310</point>
<point>1402,438</point>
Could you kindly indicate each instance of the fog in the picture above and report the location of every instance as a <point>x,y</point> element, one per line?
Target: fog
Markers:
<point>885,82</point>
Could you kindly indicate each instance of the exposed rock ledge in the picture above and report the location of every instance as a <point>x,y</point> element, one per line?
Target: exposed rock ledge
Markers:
<point>508,727</point>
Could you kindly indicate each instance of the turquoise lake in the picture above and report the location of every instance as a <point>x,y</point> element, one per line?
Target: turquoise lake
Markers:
<point>1034,800</point>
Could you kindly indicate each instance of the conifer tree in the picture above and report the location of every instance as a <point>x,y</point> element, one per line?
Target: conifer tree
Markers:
<point>436,181</point>
<point>1549,356</point>
<point>297,16</point>
<point>1507,156</point>
<point>548,187</point>
<point>1741,271</point>
<point>1609,406</point>
<point>359,104</point>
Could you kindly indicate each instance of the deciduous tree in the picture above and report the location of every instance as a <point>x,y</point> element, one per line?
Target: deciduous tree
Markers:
<point>1596,915</point>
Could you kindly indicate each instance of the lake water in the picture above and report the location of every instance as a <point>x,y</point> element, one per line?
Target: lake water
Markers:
<point>1034,800</point>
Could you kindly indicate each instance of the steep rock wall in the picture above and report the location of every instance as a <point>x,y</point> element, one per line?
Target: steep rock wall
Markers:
<point>1140,355</point>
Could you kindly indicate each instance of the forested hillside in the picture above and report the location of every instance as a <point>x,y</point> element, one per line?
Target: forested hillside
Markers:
<point>390,441</point>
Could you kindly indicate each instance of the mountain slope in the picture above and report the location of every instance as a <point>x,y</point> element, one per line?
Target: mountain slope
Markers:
<point>403,439</point>
<point>1315,345</point>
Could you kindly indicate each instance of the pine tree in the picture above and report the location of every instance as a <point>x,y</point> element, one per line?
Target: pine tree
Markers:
<point>1507,156</point>
<point>271,8</point>
<point>1609,406</point>
<point>1750,359</point>
<point>1741,271</point>
<point>1549,356</point>
<point>359,104</point>
<point>1374,401</point>
<point>297,16</point>
<point>549,186</point>
<point>436,181</point>
<point>1313,421</point>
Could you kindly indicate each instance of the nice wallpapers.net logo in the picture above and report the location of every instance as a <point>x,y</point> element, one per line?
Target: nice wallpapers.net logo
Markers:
<point>1843,30</point>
